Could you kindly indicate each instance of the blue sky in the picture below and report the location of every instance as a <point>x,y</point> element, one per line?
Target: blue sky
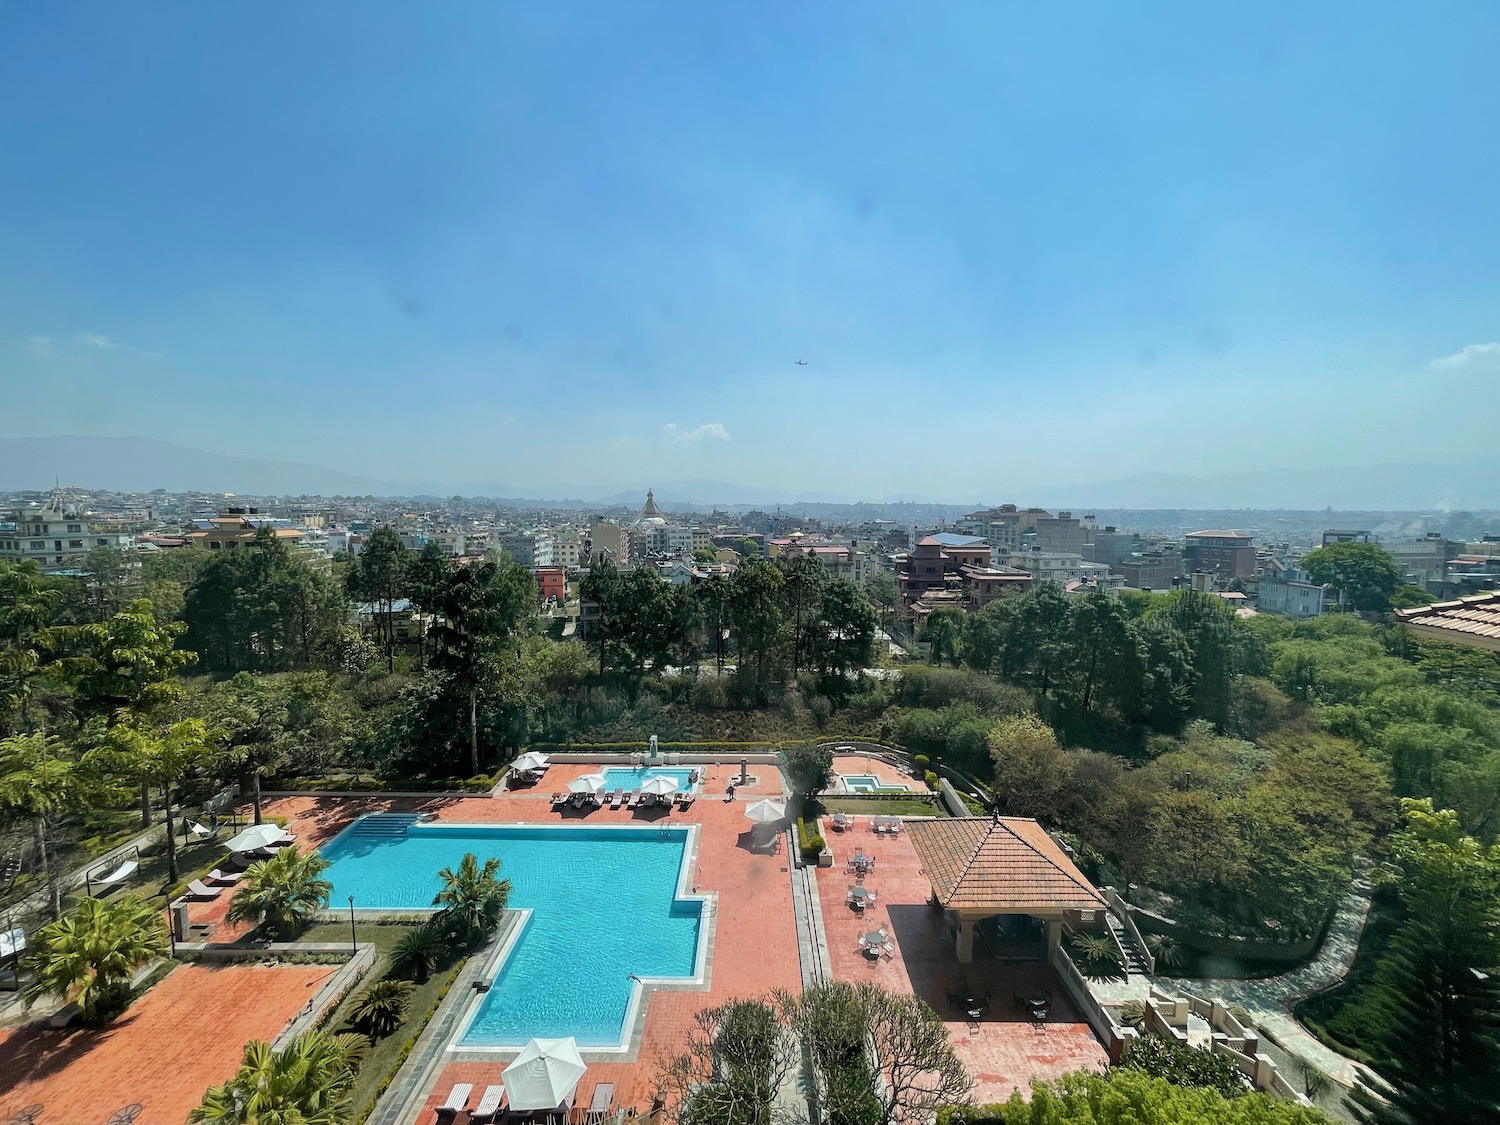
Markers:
<point>556,246</point>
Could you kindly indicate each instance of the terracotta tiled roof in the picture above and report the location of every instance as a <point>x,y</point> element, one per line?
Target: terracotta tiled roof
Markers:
<point>1473,620</point>
<point>1005,864</point>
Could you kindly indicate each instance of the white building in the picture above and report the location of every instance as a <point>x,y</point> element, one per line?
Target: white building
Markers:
<point>55,538</point>
<point>529,548</point>
<point>1061,567</point>
<point>1291,594</point>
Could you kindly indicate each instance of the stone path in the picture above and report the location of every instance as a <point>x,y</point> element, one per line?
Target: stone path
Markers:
<point>1269,1000</point>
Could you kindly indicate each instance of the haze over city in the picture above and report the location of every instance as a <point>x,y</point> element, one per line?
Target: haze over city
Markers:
<point>561,250</point>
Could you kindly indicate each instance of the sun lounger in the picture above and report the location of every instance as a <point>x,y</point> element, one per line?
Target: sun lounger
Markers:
<point>617,798</point>
<point>634,800</point>
<point>559,799</point>
<point>199,889</point>
<point>199,831</point>
<point>218,875</point>
<point>458,1098</point>
<point>490,1104</point>
<point>604,1098</point>
<point>686,799</point>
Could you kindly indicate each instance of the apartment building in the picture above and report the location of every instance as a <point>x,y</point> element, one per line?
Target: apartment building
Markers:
<point>55,538</point>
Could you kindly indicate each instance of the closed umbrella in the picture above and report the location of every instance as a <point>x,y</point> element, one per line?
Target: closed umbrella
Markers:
<point>530,761</point>
<point>588,783</point>
<point>255,837</point>
<point>661,784</point>
<point>766,812</point>
<point>544,1075</point>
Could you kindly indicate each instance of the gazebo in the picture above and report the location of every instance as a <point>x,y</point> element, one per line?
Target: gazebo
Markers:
<point>981,867</point>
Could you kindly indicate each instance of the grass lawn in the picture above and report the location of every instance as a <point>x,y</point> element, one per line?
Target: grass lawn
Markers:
<point>915,805</point>
<point>384,1055</point>
<point>1344,1017</point>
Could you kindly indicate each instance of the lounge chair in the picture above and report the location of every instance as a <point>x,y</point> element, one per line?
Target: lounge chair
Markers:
<point>559,799</point>
<point>599,1107</point>
<point>199,831</point>
<point>617,798</point>
<point>634,800</point>
<point>458,1098</point>
<point>491,1102</point>
<point>218,875</point>
<point>199,889</point>
<point>119,874</point>
<point>685,800</point>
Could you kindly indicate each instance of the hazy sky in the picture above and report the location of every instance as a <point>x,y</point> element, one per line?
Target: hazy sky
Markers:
<point>554,244</point>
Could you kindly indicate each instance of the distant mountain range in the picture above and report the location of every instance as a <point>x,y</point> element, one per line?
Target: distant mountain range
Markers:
<point>1392,487</point>
<point>132,464</point>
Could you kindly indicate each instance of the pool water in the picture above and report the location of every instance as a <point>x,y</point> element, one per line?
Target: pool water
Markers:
<point>623,777</point>
<point>868,783</point>
<point>604,906</point>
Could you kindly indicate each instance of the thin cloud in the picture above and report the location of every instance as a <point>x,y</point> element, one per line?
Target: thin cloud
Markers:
<point>714,430</point>
<point>94,340</point>
<point>41,346</point>
<point>1473,351</point>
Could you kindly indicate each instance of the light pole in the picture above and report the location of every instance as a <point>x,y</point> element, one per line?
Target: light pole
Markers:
<point>353,938</point>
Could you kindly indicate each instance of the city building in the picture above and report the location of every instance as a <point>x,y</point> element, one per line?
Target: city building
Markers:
<point>1152,570</point>
<point>552,583</point>
<point>529,548</point>
<point>56,538</point>
<point>934,563</point>
<point>1473,621</point>
<point>1334,535</point>
<point>237,527</point>
<point>1289,591</point>
<point>1225,554</point>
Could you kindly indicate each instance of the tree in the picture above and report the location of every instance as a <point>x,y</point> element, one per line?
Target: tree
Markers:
<point>1031,768</point>
<point>1104,656</point>
<point>164,759</point>
<point>809,767</point>
<point>88,957</point>
<point>1364,574</point>
<point>756,608</point>
<point>600,587</point>
<point>27,605</point>
<point>1038,634</point>
<point>282,893</point>
<point>713,594</point>
<point>381,1007</point>
<point>418,952</point>
<point>1128,1097</point>
<point>843,640</point>
<point>732,1066</point>
<point>1437,981</point>
<point>378,575</point>
<point>473,898</point>
<point>943,631</point>
<point>40,780</point>
<point>482,605</point>
<point>804,577</point>
<point>1184,1066</point>
<point>884,594</point>
<point>911,1050</point>
<point>307,1082</point>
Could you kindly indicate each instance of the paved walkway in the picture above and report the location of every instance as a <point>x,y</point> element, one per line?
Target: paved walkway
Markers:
<point>1269,1000</point>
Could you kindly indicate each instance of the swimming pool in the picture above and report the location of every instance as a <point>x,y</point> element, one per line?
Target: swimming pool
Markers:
<point>606,904</point>
<point>626,778</point>
<point>868,783</point>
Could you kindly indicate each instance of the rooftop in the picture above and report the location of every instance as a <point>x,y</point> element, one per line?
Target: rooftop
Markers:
<point>1002,864</point>
<point>1474,621</point>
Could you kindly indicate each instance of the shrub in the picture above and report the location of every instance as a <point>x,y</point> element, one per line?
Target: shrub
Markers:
<point>380,1009</point>
<point>922,761</point>
<point>931,779</point>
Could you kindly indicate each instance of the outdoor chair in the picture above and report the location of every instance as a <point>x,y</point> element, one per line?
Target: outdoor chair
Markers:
<point>617,798</point>
<point>458,1098</point>
<point>217,875</point>
<point>634,800</point>
<point>491,1103</point>
<point>888,950</point>
<point>559,799</point>
<point>603,1100</point>
<point>199,889</point>
<point>686,799</point>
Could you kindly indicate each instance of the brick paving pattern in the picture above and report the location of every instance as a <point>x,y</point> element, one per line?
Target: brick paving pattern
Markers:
<point>1005,1052</point>
<point>183,1036</point>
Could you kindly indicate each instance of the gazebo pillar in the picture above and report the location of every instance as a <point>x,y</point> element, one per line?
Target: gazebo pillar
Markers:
<point>1054,937</point>
<point>965,938</point>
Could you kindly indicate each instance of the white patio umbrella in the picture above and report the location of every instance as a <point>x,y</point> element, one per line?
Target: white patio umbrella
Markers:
<point>255,837</point>
<point>530,761</point>
<point>544,1074</point>
<point>588,783</point>
<point>661,784</point>
<point>766,812</point>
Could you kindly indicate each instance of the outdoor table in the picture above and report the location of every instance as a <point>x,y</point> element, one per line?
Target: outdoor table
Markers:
<point>872,940</point>
<point>125,1115</point>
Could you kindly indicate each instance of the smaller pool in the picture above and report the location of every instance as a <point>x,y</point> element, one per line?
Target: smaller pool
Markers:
<point>868,783</point>
<point>623,777</point>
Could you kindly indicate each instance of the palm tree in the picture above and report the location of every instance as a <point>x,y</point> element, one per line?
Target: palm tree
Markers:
<point>472,897</point>
<point>1165,949</point>
<point>1100,959</point>
<point>307,1082</point>
<point>1315,1083</point>
<point>88,956</point>
<point>282,892</point>
<point>418,952</point>
<point>379,1010</point>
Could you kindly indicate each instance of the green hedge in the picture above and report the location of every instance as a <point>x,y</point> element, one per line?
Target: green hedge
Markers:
<point>993,1114</point>
<point>642,747</point>
<point>810,841</point>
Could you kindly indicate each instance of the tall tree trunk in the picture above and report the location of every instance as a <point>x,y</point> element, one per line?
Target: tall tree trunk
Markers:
<point>49,867</point>
<point>145,804</point>
<point>255,792</point>
<point>171,835</point>
<point>474,730</point>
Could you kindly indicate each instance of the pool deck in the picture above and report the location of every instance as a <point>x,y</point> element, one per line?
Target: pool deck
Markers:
<point>184,1035</point>
<point>1006,1052</point>
<point>861,765</point>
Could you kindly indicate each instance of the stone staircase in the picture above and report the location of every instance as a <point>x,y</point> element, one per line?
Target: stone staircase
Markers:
<point>1135,958</point>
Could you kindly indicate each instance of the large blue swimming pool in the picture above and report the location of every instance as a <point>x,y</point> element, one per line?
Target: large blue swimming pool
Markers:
<point>622,777</point>
<point>604,905</point>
